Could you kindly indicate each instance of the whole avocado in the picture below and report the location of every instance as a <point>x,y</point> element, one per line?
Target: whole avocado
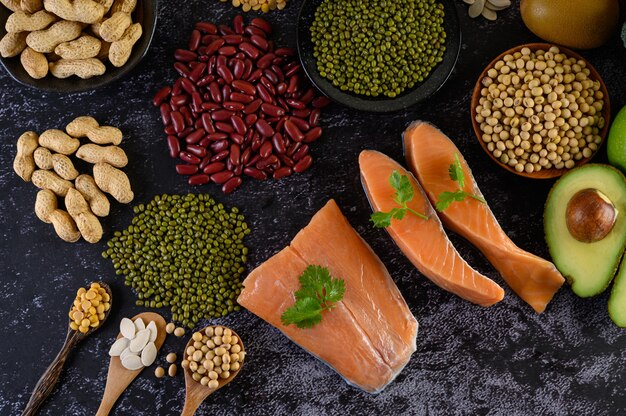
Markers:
<point>579,24</point>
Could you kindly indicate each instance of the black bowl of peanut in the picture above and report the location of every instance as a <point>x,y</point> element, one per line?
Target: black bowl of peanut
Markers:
<point>63,49</point>
<point>539,110</point>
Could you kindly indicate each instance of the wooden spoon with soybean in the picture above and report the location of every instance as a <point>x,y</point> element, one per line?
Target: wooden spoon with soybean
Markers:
<point>49,379</point>
<point>195,393</point>
<point>119,377</point>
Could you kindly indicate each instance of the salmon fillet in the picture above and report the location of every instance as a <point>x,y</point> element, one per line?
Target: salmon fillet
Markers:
<point>424,242</point>
<point>429,153</point>
<point>370,335</point>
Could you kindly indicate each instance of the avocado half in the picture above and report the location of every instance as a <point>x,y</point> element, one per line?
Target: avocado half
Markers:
<point>587,266</point>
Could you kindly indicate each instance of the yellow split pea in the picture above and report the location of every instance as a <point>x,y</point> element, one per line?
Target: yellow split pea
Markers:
<point>262,5</point>
<point>89,308</point>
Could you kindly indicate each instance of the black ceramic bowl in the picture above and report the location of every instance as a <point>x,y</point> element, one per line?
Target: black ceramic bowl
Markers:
<point>145,13</point>
<point>381,104</point>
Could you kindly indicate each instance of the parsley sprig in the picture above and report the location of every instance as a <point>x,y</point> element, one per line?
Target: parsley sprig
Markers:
<point>318,293</point>
<point>404,195</point>
<point>447,198</point>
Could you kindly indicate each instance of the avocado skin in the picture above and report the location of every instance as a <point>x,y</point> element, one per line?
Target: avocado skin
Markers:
<point>578,24</point>
<point>617,300</point>
<point>586,170</point>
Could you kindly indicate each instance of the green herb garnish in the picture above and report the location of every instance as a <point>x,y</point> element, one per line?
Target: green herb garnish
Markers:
<point>456,174</point>
<point>318,292</point>
<point>404,194</point>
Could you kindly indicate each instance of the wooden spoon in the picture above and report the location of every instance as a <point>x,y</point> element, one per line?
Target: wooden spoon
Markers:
<point>195,393</point>
<point>49,379</point>
<point>120,377</point>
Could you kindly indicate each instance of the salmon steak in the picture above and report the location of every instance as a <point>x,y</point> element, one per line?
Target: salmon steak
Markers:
<point>369,336</point>
<point>429,154</point>
<point>423,241</point>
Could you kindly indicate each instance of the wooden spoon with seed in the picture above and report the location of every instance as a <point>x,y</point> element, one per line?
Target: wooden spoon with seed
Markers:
<point>49,379</point>
<point>119,377</point>
<point>195,393</point>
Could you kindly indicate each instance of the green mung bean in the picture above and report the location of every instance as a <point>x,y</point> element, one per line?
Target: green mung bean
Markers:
<point>181,252</point>
<point>378,47</point>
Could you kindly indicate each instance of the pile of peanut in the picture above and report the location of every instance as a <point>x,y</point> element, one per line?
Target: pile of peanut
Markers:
<point>44,160</point>
<point>69,37</point>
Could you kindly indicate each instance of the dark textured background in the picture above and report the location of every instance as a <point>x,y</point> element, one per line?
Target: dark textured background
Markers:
<point>469,360</point>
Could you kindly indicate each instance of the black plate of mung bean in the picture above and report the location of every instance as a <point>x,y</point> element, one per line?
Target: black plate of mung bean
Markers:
<point>378,55</point>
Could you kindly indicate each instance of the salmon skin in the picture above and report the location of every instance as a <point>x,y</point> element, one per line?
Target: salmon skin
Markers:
<point>429,153</point>
<point>424,242</point>
<point>369,336</point>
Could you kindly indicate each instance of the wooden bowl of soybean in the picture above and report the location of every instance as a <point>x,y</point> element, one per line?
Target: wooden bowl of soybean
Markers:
<point>514,56</point>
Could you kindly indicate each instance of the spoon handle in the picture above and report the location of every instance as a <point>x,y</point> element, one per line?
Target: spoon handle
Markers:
<point>190,407</point>
<point>49,379</point>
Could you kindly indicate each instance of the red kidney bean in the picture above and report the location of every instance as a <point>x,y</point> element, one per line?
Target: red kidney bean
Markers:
<point>250,119</point>
<point>247,68</point>
<point>285,52</point>
<point>262,24</point>
<point>186,112</point>
<point>272,110</point>
<point>249,50</point>
<point>219,146</point>
<point>253,160</point>
<point>264,128</point>
<point>217,136</point>
<point>221,177</point>
<point>241,98</point>
<point>194,40</point>
<point>312,135</point>
<point>238,24</point>
<point>253,107</point>
<point>238,69</point>
<point>196,150</point>
<point>300,123</point>
<point>189,158</point>
<point>265,61</point>
<point>294,83</point>
<point>225,30</point>
<point>214,90</point>
<point>308,96</point>
<point>303,164</point>
<point>226,91</point>
<point>214,167</point>
<point>183,134</point>
<point>186,169</point>
<point>183,55</point>
<point>224,72</point>
<point>227,50</point>
<point>260,42</point>
<point>271,76</point>
<point>169,130</point>
<point>197,72</point>
<point>314,117</point>
<point>285,160</point>
<point>238,124</point>
<point>244,86</point>
<point>245,155</point>
<point>195,137</point>
<point>187,85</point>
<point>220,156</point>
<point>231,185</point>
<point>278,61</point>
<point>281,88</point>
<point>293,148</point>
<point>166,113</point>
<point>225,127</point>
<point>299,105</point>
<point>174,146</point>
<point>206,80</point>
<point>214,46</point>
<point>279,73</point>
<point>206,27</point>
<point>221,115</point>
<point>196,102</point>
<point>179,100</point>
<point>300,153</point>
<point>301,113</point>
<point>204,142</point>
<point>237,138</point>
<point>207,123</point>
<point>320,102</point>
<point>293,131</point>
<point>235,154</point>
<point>281,102</point>
<point>161,96</point>
<point>255,173</point>
<point>278,143</point>
<point>178,121</point>
<point>199,179</point>
<point>264,94</point>
<point>281,124</point>
<point>182,69</point>
<point>266,149</point>
<point>233,39</point>
<point>233,106</point>
<point>252,31</point>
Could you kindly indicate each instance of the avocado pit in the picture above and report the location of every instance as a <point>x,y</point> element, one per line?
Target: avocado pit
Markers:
<point>590,216</point>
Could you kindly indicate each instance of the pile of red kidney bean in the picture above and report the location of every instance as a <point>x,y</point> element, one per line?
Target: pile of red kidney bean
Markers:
<point>240,107</point>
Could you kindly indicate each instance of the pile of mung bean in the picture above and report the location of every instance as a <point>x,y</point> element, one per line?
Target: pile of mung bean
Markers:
<point>184,252</point>
<point>214,354</point>
<point>378,47</point>
<point>262,5</point>
<point>540,110</point>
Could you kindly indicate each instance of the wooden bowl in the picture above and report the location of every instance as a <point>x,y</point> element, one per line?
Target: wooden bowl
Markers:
<point>145,13</point>
<point>544,173</point>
